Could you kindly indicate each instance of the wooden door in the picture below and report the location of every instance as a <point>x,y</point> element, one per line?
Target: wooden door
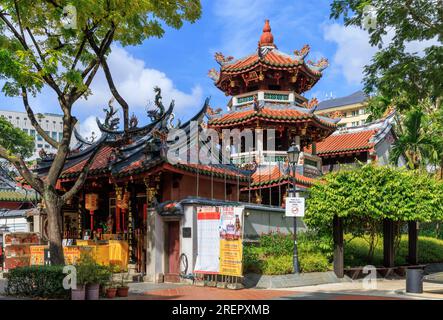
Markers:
<point>173,252</point>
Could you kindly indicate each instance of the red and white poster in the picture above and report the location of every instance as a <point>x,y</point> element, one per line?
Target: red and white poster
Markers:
<point>208,240</point>
<point>219,240</point>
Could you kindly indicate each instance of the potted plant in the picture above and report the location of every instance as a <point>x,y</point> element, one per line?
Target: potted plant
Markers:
<point>79,292</point>
<point>93,276</point>
<point>111,288</point>
<point>123,289</point>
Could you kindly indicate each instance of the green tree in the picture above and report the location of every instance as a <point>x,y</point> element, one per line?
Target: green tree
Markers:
<point>414,142</point>
<point>395,71</point>
<point>52,44</point>
<point>15,141</point>
<point>365,196</point>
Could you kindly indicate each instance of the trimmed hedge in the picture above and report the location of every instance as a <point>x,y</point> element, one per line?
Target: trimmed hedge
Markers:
<point>37,282</point>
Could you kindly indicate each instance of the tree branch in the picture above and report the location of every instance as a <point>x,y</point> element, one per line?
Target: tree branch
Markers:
<point>48,78</point>
<point>24,171</point>
<point>110,81</point>
<point>82,177</point>
<point>34,121</point>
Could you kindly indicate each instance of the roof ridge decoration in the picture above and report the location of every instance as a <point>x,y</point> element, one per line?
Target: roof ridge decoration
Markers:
<point>214,74</point>
<point>303,52</point>
<point>111,120</point>
<point>267,39</point>
<point>318,66</point>
<point>221,59</point>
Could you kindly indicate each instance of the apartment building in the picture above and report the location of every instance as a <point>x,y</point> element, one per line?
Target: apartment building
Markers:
<point>352,109</point>
<point>50,122</point>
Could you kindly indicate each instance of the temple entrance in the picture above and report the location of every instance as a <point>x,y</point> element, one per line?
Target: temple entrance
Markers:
<point>172,246</point>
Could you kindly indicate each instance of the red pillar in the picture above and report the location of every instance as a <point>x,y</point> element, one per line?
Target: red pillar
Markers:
<point>117,219</point>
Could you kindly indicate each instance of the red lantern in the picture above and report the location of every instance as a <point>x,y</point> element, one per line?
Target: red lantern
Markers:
<point>91,204</point>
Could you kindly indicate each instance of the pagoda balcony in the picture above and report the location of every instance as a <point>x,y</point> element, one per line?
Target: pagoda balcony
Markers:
<point>308,165</point>
<point>271,96</point>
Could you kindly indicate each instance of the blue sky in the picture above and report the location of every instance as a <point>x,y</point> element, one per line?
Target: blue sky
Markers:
<point>179,61</point>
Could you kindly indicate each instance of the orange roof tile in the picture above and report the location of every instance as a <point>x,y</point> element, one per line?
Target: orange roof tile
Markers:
<point>272,176</point>
<point>345,143</point>
<point>100,162</point>
<point>276,115</point>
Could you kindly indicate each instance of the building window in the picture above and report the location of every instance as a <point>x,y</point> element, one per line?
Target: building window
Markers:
<point>60,136</point>
<point>355,113</point>
<point>32,132</point>
<point>40,145</point>
<point>362,111</point>
<point>25,131</point>
<point>54,136</point>
<point>46,146</point>
<point>39,138</point>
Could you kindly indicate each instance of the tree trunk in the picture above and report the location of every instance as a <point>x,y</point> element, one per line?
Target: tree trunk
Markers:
<point>53,210</point>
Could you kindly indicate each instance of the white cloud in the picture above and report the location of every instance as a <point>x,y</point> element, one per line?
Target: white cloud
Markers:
<point>354,51</point>
<point>135,82</point>
<point>240,23</point>
<point>88,126</point>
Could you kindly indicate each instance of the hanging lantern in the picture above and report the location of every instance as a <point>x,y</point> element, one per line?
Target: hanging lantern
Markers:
<point>124,202</point>
<point>232,83</point>
<point>261,77</point>
<point>91,201</point>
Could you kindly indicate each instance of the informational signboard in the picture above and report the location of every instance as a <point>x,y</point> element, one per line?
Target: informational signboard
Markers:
<point>208,240</point>
<point>295,207</point>
<point>220,240</point>
<point>231,241</point>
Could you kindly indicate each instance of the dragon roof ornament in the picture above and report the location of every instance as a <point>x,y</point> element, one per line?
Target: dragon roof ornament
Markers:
<point>318,66</point>
<point>301,54</point>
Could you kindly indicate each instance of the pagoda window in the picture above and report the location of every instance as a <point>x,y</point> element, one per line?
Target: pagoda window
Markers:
<point>277,96</point>
<point>245,99</point>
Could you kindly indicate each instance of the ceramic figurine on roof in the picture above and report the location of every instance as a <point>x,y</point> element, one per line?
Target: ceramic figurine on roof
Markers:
<point>111,120</point>
<point>300,55</point>
<point>221,59</point>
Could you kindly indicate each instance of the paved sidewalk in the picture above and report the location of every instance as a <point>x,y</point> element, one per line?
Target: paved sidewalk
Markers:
<point>385,288</point>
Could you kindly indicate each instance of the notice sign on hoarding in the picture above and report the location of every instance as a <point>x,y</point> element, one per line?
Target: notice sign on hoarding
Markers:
<point>231,241</point>
<point>219,240</point>
<point>208,241</point>
<point>295,207</point>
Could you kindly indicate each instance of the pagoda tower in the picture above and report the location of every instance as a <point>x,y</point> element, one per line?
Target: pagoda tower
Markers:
<point>266,90</point>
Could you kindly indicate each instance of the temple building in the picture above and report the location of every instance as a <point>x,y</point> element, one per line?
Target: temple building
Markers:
<point>137,199</point>
<point>266,90</point>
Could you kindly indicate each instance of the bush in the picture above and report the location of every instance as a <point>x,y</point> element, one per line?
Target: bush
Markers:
<point>273,253</point>
<point>356,251</point>
<point>37,282</point>
<point>314,262</point>
<point>90,272</point>
<point>277,265</point>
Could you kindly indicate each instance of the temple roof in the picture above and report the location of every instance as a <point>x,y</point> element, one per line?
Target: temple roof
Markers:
<point>271,113</point>
<point>268,59</point>
<point>273,176</point>
<point>139,150</point>
<point>348,142</point>
<point>356,139</point>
